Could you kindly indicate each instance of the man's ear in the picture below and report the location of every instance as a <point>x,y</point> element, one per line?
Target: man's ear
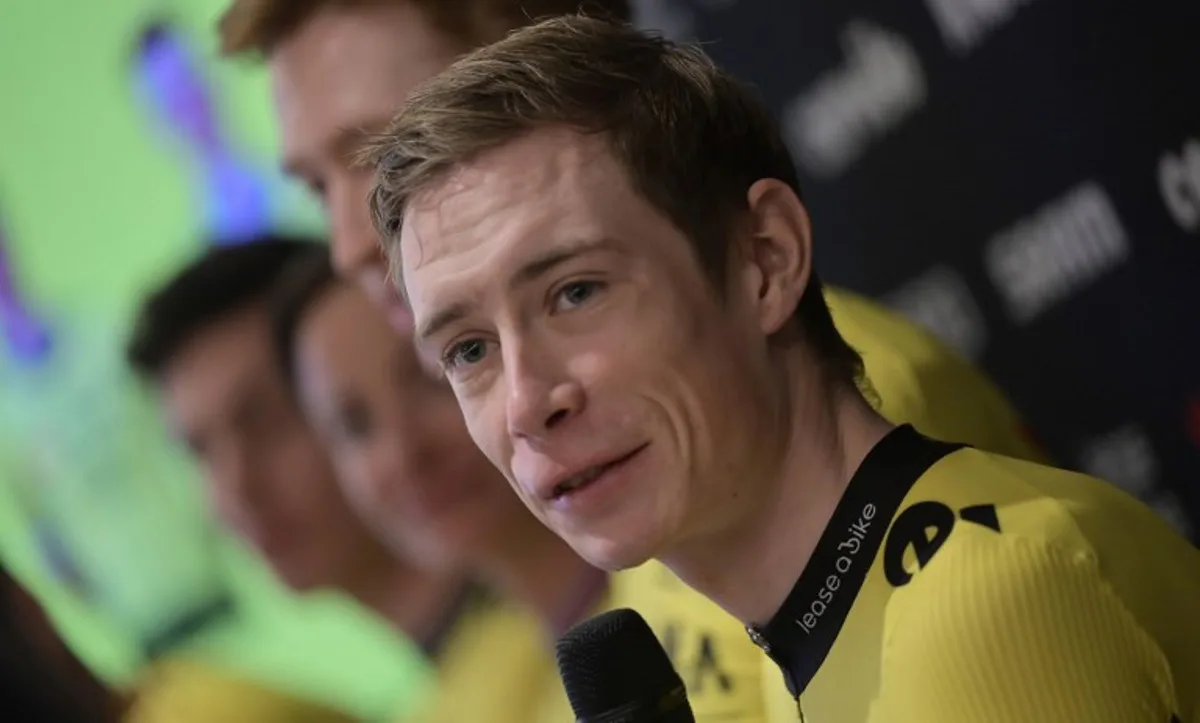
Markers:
<point>776,253</point>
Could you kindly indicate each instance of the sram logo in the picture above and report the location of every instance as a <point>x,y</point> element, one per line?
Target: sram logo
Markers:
<point>964,24</point>
<point>1061,248</point>
<point>923,528</point>
<point>1179,183</point>
<point>940,301</point>
<point>880,84</point>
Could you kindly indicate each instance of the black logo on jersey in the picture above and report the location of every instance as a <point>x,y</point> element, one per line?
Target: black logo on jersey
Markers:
<point>925,527</point>
<point>698,665</point>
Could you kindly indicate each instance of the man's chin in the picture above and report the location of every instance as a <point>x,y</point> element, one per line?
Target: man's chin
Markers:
<point>298,578</point>
<point>613,555</point>
<point>299,585</point>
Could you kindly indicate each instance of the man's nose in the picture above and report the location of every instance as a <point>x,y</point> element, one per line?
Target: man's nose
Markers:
<point>542,395</point>
<point>232,489</point>
<point>354,243</point>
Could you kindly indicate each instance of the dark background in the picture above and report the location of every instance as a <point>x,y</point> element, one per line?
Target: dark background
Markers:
<point>1021,176</point>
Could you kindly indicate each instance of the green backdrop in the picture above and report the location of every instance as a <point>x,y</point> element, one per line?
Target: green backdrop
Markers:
<point>99,198</point>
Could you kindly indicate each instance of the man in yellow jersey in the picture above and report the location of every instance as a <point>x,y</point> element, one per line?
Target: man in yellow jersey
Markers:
<point>396,439</point>
<point>339,71</point>
<point>202,342</point>
<point>603,247</point>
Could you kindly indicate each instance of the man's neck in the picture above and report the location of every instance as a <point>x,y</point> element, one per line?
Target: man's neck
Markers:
<point>751,567</point>
<point>541,573</point>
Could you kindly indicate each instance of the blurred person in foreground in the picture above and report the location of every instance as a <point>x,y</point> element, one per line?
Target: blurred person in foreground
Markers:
<point>203,343</point>
<point>602,242</point>
<point>341,68</point>
<point>397,442</point>
<point>42,681</point>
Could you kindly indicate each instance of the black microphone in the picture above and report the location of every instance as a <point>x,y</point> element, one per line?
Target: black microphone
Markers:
<point>616,671</point>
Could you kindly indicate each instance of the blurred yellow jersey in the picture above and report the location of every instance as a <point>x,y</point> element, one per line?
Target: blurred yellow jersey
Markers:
<point>914,379</point>
<point>918,381</point>
<point>721,669</point>
<point>498,667</point>
<point>178,691</point>
<point>956,586</point>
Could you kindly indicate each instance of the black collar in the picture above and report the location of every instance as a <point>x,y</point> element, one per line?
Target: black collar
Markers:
<point>801,634</point>
<point>469,597</point>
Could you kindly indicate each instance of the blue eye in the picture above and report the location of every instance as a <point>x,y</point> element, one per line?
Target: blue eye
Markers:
<point>576,293</point>
<point>470,351</point>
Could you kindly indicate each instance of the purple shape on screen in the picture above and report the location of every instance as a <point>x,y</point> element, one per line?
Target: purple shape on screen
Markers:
<point>176,88</point>
<point>238,206</point>
<point>235,197</point>
<point>26,339</point>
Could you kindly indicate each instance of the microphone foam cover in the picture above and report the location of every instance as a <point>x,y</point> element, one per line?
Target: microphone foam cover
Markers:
<point>612,659</point>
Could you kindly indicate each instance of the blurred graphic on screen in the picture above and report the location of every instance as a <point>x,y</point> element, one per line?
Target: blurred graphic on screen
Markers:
<point>98,507</point>
<point>71,429</point>
<point>26,339</point>
<point>234,196</point>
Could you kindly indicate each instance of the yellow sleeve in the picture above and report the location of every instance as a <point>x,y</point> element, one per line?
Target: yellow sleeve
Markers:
<point>1007,629</point>
<point>914,378</point>
<point>179,691</point>
<point>496,667</point>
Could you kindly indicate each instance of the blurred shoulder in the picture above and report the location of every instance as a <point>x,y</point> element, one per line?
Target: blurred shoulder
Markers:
<point>184,691</point>
<point>914,378</point>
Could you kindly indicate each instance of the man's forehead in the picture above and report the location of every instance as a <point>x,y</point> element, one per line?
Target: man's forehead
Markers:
<point>382,41</point>
<point>231,348</point>
<point>533,185</point>
<point>349,66</point>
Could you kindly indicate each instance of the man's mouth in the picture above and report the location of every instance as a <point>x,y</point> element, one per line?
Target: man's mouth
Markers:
<point>586,477</point>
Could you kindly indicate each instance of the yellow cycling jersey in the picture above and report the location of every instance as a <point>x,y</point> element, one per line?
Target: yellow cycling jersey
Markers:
<point>914,379</point>
<point>721,669</point>
<point>956,586</point>
<point>179,691</point>
<point>497,666</point>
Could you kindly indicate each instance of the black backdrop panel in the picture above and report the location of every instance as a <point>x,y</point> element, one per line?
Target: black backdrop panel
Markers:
<point>1023,177</point>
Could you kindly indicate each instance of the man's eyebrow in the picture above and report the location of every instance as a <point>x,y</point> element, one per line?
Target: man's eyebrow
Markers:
<point>349,139</point>
<point>352,143</point>
<point>528,272</point>
<point>345,143</point>
<point>547,261</point>
<point>441,319</point>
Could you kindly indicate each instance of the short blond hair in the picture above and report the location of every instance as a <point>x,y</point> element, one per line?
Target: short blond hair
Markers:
<point>259,26</point>
<point>691,138</point>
